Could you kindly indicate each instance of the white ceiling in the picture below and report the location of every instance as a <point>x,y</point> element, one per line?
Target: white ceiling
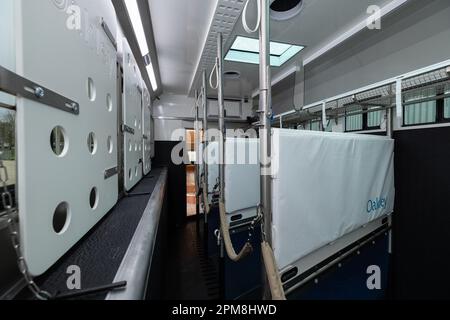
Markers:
<point>181,27</point>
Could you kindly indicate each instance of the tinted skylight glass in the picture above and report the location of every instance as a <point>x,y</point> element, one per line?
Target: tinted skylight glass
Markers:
<point>246,50</point>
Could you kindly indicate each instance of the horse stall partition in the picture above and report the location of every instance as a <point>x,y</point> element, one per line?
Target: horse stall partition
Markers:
<point>66,163</point>
<point>329,190</point>
<point>132,117</point>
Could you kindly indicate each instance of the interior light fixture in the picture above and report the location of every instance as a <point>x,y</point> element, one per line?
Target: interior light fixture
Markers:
<point>151,74</point>
<point>138,27</point>
<point>246,50</point>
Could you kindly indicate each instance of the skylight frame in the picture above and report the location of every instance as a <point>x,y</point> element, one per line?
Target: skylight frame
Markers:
<point>242,52</point>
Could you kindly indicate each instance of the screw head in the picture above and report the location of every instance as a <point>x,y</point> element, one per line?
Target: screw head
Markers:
<point>75,107</point>
<point>39,92</point>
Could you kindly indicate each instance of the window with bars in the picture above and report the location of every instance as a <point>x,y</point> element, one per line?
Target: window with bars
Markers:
<point>422,112</point>
<point>360,120</point>
<point>427,106</point>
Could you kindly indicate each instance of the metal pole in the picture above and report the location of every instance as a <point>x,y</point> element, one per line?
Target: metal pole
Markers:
<point>197,163</point>
<point>390,123</point>
<point>205,134</point>
<point>265,113</point>
<point>390,117</point>
<point>221,152</point>
<point>221,117</point>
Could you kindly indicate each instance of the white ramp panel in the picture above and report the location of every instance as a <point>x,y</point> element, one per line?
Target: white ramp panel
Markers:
<point>325,186</point>
<point>242,177</point>
<point>64,193</point>
<point>146,120</point>
<point>132,115</point>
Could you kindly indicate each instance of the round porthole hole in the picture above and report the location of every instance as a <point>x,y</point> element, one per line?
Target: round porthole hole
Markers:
<point>109,104</point>
<point>93,198</point>
<point>92,92</point>
<point>110,145</point>
<point>61,218</point>
<point>92,143</point>
<point>58,141</point>
<point>281,10</point>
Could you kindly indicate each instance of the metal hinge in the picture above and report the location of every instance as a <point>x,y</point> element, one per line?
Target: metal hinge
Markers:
<point>128,129</point>
<point>16,85</point>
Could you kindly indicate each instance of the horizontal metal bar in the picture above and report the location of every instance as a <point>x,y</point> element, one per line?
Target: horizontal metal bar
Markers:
<point>111,172</point>
<point>16,85</point>
<point>434,98</point>
<point>191,119</point>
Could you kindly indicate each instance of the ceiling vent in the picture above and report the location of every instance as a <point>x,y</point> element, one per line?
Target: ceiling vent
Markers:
<point>232,75</point>
<point>281,10</point>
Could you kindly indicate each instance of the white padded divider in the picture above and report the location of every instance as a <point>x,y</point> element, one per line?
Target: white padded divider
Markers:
<point>325,186</point>
<point>62,60</point>
<point>242,177</point>
<point>146,120</point>
<point>132,115</point>
<point>7,47</point>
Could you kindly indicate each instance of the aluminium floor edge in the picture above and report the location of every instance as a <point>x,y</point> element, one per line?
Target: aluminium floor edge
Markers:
<point>137,261</point>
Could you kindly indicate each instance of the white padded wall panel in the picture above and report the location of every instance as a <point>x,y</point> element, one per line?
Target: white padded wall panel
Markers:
<point>7,44</point>
<point>146,120</point>
<point>132,115</point>
<point>327,185</point>
<point>242,175</point>
<point>63,60</point>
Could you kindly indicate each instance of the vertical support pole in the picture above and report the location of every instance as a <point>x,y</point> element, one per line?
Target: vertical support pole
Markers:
<point>390,134</point>
<point>197,162</point>
<point>390,122</point>
<point>390,116</point>
<point>205,134</point>
<point>221,150</point>
<point>265,113</point>
<point>205,163</point>
<point>221,117</point>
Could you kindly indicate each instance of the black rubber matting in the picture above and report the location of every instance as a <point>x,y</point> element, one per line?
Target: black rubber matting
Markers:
<point>100,253</point>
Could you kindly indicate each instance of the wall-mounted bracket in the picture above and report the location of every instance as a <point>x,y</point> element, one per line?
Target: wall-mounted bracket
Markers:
<point>16,85</point>
<point>111,172</point>
<point>127,129</point>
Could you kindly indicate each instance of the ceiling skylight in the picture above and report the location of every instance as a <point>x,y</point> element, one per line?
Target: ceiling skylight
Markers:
<point>246,50</point>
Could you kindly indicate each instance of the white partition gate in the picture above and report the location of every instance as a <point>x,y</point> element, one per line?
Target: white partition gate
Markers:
<point>132,117</point>
<point>146,120</point>
<point>64,187</point>
<point>326,186</point>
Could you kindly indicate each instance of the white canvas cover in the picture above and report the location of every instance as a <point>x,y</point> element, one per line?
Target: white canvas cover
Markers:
<point>325,186</point>
<point>242,174</point>
<point>242,177</point>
